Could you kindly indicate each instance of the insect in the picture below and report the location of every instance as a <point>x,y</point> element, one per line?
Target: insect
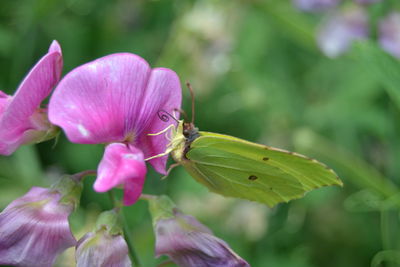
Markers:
<point>238,168</point>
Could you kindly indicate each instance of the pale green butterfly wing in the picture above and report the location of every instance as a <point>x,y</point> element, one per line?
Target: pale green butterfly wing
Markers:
<point>226,174</point>
<point>237,168</point>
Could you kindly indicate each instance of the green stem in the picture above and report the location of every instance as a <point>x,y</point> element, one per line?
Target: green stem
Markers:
<point>81,175</point>
<point>385,232</point>
<point>147,197</point>
<point>115,203</point>
<point>128,237</point>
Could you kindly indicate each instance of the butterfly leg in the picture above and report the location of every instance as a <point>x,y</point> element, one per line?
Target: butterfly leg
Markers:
<point>162,131</point>
<point>158,156</point>
<point>169,135</point>
<point>171,167</point>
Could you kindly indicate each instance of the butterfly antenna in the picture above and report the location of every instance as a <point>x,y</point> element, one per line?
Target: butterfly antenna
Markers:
<point>192,95</point>
<point>164,116</point>
<point>181,111</point>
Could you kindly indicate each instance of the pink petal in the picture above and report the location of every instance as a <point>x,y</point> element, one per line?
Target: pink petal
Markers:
<point>4,100</point>
<point>34,229</point>
<point>99,102</point>
<point>37,85</point>
<point>34,194</point>
<point>190,243</point>
<point>55,47</point>
<point>102,249</point>
<point>163,93</point>
<point>122,165</point>
<point>3,95</point>
<point>132,190</point>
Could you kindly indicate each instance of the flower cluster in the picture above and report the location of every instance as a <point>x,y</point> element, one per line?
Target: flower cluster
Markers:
<point>113,100</point>
<point>116,101</point>
<point>344,25</point>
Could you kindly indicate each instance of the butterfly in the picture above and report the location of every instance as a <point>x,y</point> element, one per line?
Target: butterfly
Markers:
<point>234,167</point>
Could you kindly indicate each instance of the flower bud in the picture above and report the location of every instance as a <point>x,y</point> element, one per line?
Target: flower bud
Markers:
<point>34,228</point>
<point>105,246</point>
<point>186,241</point>
<point>389,34</point>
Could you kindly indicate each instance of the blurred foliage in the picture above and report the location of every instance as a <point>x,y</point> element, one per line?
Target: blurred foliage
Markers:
<point>257,75</point>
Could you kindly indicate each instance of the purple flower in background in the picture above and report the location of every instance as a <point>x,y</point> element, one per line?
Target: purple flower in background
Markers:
<point>34,228</point>
<point>366,2</point>
<point>186,241</point>
<point>105,246</point>
<point>315,5</point>
<point>336,35</point>
<point>22,121</point>
<point>389,34</point>
<point>115,100</point>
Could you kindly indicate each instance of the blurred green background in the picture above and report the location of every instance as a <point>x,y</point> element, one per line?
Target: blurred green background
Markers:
<point>257,75</point>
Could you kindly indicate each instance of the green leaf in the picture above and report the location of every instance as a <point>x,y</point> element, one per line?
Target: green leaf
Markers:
<point>363,201</point>
<point>386,256</point>
<point>292,22</point>
<point>380,64</point>
<point>354,169</point>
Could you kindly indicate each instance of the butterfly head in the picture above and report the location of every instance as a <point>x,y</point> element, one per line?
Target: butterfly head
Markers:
<point>190,132</point>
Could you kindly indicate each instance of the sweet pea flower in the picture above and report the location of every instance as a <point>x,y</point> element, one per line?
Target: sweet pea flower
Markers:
<point>389,34</point>
<point>116,100</point>
<point>105,246</point>
<point>22,120</point>
<point>315,5</point>
<point>186,241</point>
<point>337,33</point>
<point>34,228</point>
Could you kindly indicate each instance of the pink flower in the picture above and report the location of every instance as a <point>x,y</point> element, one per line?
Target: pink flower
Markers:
<point>337,34</point>
<point>115,100</point>
<point>186,241</point>
<point>389,34</point>
<point>105,245</point>
<point>34,228</point>
<point>100,248</point>
<point>22,121</point>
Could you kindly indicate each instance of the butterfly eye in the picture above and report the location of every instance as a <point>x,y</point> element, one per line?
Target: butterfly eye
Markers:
<point>252,178</point>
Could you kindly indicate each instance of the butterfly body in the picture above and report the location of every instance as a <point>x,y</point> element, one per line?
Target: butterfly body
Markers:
<point>237,168</point>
